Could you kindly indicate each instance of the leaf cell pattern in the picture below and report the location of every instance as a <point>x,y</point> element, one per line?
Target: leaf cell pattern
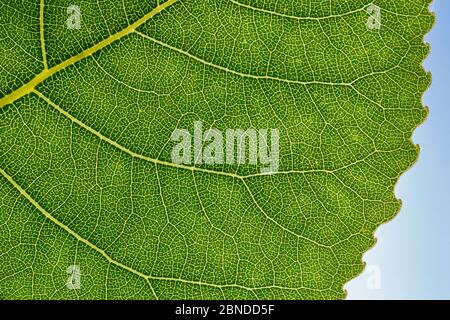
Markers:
<point>85,122</point>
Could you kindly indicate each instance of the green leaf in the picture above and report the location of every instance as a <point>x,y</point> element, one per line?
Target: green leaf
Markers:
<point>92,205</point>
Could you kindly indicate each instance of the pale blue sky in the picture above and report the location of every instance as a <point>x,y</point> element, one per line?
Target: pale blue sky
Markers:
<point>413,250</point>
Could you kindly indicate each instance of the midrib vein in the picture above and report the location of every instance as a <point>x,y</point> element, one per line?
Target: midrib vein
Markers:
<point>47,215</point>
<point>124,149</point>
<point>41,29</point>
<point>264,77</point>
<point>298,17</point>
<point>171,164</point>
<point>46,73</point>
<point>64,227</point>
